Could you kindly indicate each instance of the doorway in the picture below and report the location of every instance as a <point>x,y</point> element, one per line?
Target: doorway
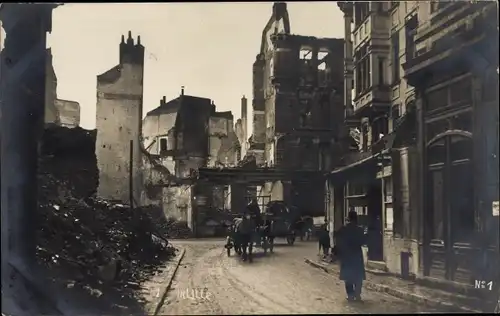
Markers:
<point>450,218</point>
<point>375,227</point>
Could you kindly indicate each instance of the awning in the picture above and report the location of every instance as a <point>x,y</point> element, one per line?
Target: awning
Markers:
<point>363,169</point>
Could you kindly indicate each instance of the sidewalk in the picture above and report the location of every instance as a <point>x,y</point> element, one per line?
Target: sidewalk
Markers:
<point>155,289</point>
<point>408,290</point>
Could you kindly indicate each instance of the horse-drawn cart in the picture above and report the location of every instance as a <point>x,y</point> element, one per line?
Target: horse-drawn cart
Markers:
<point>282,219</point>
<point>261,228</point>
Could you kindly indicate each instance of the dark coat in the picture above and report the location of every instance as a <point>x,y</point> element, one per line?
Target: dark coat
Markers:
<point>245,226</point>
<point>349,240</point>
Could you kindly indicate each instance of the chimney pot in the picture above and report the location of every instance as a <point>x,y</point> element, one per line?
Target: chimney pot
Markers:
<point>182,90</point>
<point>164,99</point>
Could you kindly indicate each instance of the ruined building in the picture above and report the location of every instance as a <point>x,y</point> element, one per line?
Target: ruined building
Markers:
<point>297,108</point>
<point>58,111</point>
<point>241,129</point>
<point>119,124</point>
<point>423,75</point>
<point>183,135</point>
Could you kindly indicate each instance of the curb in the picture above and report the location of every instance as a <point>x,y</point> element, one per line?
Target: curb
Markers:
<point>401,294</point>
<point>170,279</point>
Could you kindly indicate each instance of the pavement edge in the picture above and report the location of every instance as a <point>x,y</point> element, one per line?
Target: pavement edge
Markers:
<point>170,279</point>
<point>398,293</point>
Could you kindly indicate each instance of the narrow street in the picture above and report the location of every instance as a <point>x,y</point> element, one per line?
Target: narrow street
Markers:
<point>208,282</point>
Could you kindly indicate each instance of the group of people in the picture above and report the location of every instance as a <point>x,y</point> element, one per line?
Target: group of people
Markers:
<point>347,248</point>
<point>348,242</point>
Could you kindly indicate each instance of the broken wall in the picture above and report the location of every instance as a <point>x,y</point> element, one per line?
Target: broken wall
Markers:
<point>258,138</point>
<point>240,135</point>
<point>223,143</point>
<point>177,204</point>
<point>69,113</point>
<point>51,113</point>
<point>159,124</point>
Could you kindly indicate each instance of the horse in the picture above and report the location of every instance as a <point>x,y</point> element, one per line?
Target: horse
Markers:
<point>266,234</point>
<point>245,229</point>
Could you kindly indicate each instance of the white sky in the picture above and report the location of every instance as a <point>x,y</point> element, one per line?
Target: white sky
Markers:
<point>207,47</point>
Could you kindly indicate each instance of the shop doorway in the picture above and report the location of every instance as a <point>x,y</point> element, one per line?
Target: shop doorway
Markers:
<point>450,218</point>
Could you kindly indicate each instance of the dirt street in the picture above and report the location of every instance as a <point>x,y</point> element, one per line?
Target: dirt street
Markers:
<point>209,282</point>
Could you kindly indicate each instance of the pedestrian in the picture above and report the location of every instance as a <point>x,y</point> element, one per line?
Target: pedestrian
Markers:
<point>324,240</point>
<point>349,240</point>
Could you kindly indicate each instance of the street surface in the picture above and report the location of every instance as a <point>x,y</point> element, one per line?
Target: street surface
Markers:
<point>209,282</point>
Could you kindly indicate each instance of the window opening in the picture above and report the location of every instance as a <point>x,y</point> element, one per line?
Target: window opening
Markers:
<point>305,54</point>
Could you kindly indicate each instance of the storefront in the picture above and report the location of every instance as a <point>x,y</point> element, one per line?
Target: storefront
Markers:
<point>458,119</point>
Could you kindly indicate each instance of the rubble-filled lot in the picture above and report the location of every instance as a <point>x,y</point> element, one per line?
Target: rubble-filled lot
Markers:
<point>101,248</point>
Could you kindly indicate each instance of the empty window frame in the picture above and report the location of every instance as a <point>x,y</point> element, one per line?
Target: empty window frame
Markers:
<point>305,54</point>
<point>163,145</point>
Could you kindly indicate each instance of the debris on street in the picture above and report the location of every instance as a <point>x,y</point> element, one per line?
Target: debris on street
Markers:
<point>98,244</point>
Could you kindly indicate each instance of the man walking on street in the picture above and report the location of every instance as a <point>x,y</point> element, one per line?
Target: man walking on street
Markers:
<point>349,240</point>
<point>324,239</point>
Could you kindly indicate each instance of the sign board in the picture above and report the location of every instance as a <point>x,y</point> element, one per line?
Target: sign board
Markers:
<point>389,218</point>
<point>495,208</point>
<point>388,199</point>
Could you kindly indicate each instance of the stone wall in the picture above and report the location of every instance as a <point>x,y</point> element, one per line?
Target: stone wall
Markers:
<point>176,203</point>
<point>223,143</point>
<point>118,121</point>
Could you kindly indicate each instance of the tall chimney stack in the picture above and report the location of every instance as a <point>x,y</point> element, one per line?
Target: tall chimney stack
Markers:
<point>244,118</point>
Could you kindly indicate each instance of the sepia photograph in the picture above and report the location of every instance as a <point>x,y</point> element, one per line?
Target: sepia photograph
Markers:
<point>246,158</point>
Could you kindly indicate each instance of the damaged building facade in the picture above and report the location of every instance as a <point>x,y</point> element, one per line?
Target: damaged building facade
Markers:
<point>154,160</point>
<point>297,109</point>
<point>183,135</point>
<point>419,100</point>
<point>58,111</point>
<point>119,125</point>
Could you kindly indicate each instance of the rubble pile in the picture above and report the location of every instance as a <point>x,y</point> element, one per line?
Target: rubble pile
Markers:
<point>98,244</point>
<point>176,229</point>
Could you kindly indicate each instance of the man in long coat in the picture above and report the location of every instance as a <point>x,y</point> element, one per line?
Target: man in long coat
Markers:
<point>349,240</point>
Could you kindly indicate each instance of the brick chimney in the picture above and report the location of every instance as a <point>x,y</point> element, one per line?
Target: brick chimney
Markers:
<point>244,117</point>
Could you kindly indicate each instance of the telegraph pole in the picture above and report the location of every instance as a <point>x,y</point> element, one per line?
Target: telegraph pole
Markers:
<point>131,175</point>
